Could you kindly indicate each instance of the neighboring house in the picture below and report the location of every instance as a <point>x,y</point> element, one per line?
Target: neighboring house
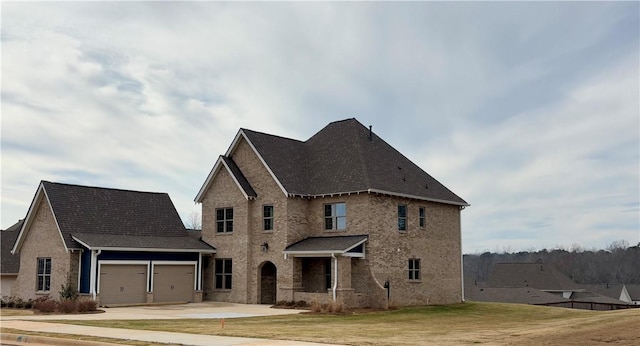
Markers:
<point>616,291</point>
<point>542,284</point>
<point>634,293</point>
<point>117,246</point>
<point>341,216</point>
<point>9,263</point>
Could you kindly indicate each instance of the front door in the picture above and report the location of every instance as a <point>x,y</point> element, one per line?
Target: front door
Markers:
<point>268,283</point>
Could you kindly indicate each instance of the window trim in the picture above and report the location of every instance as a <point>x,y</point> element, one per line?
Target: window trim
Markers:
<point>225,221</point>
<point>265,218</point>
<point>414,269</point>
<point>224,276</point>
<point>402,220</point>
<point>421,217</point>
<point>334,217</point>
<point>45,274</point>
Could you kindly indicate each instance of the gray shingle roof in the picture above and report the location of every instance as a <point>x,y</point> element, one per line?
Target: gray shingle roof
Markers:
<point>101,215</point>
<point>335,244</point>
<point>242,180</point>
<point>536,275</point>
<point>140,242</point>
<point>341,158</point>
<point>516,295</point>
<point>9,264</point>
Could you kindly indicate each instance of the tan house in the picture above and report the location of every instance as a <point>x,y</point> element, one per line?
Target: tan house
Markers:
<point>341,216</point>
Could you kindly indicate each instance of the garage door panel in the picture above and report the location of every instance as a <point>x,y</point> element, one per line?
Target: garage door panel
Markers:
<point>173,283</point>
<point>123,284</point>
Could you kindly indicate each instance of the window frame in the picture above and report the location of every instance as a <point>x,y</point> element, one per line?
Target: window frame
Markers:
<point>421,217</point>
<point>414,269</point>
<point>43,274</point>
<point>402,220</point>
<point>223,274</point>
<point>333,221</point>
<point>224,224</point>
<point>268,221</point>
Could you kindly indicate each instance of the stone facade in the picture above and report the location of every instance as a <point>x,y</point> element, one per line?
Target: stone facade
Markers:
<point>44,241</point>
<point>360,280</point>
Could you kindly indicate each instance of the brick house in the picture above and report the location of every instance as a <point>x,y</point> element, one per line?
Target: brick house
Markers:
<point>115,246</point>
<point>341,216</point>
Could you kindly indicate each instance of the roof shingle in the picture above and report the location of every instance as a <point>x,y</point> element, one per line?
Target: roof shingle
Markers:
<point>345,157</point>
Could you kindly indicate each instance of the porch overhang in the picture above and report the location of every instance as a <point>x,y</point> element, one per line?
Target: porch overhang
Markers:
<point>346,246</point>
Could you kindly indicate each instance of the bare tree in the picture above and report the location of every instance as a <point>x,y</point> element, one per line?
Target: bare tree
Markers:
<point>193,222</point>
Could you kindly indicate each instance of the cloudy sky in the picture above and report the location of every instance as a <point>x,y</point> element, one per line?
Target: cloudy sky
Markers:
<point>529,111</point>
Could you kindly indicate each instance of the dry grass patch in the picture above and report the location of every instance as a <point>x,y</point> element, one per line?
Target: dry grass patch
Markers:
<point>15,312</point>
<point>455,324</point>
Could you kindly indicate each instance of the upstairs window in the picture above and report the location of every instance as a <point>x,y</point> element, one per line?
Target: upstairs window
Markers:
<point>414,269</point>
<point>44,275</point>
<point>224,273</point>
<point>224,220</point>
<point>421,217</point>
<point>402,217</point>
<point>267,217</point>
<point>335,216</point>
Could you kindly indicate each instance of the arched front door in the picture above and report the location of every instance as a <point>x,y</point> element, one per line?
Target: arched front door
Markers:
<point>268,283</point>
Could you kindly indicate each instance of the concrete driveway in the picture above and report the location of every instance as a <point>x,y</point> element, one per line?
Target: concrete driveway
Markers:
<point>213,310</point>
<point>163,312</point>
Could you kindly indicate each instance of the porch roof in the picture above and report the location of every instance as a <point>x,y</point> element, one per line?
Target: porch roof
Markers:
<point>351,245</point>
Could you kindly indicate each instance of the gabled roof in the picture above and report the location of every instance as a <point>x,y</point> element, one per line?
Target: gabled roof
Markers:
<point>103,217</point>
<point>634,291</point>
<point>328,245</point>
<point>343,157</point>
<point>237,176</point>
<point>9,263</point>
<point>535,275</point>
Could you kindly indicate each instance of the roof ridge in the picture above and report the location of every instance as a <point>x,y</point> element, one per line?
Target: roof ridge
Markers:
<point>271,135</point>
<point>103,188</point>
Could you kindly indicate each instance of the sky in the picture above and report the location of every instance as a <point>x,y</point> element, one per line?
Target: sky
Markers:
<point>528,111</point>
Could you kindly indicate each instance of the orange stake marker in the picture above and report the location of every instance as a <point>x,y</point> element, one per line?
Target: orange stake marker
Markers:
<point>222,323</point>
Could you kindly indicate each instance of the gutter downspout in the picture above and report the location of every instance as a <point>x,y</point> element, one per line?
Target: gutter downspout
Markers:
<point>92,276</point>
<point>335,281</point>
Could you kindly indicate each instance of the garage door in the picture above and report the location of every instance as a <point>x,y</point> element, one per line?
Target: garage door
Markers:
<point>173,283</point>
<point>123,284</point>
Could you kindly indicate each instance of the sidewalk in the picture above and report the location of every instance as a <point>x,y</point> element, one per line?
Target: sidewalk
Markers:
<point>146,335</point>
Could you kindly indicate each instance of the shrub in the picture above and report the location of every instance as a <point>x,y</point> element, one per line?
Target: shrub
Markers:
<point>28,304</point>
<point>316,306</point>
<point>87,305</point>
<point>68,306</point>
<point>68,292</point>
<point>19,303</point>
<point>301,304</point>
<point>45,304</point>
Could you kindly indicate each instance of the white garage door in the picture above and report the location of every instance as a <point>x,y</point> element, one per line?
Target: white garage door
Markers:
<point>123,284</point>
<point>173,283</point>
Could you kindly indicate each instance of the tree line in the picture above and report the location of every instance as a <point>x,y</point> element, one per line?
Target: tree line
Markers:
<point>617,263</point>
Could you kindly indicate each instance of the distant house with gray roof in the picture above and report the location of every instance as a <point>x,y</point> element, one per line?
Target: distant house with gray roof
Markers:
<point>341,216</point>
<point>542,284</point>
<point>116,246</point>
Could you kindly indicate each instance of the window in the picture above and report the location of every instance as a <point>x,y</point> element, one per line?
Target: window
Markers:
<point>267,216</point>
<point>421,217</point>
<point>44,274</point>
<point>414,269</point>
<point>335,216</point>
<point>224,220</point>
<point>402,217</point>
<point>223,274</point>
<point>327,273</point>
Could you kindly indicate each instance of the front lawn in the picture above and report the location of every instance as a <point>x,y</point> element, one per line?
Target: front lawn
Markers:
<point>456,324</point>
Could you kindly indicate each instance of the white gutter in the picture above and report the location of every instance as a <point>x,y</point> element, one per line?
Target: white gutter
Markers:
<point>335,281</point>
<point>92,276</point>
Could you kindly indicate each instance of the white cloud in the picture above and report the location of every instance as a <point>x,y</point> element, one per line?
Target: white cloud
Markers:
<point>529,111</point>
